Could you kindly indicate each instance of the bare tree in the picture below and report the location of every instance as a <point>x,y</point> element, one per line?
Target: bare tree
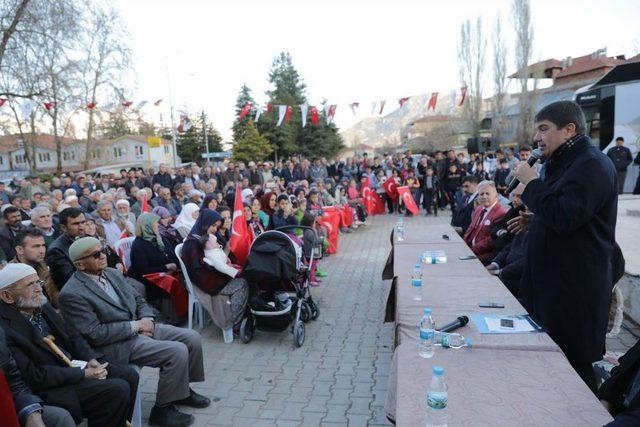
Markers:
<point>11,14</point>
<point>499,79</point>
<point>472,48</point>
<point>105,58</point>
<point>521,17</point>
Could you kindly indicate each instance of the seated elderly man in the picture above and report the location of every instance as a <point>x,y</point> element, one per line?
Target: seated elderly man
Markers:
<point>118,322</point>
<point>56,362</point>
<point>488,212</point>
<point>165,200</point>
<point>42,219</point>
<point>104,217</point>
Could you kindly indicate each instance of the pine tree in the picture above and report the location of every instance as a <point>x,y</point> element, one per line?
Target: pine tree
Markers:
<point>320,141</point>
<point>288,89</point>
<point>190,144</point>
<point>252,146</point>
<point>244,97</point>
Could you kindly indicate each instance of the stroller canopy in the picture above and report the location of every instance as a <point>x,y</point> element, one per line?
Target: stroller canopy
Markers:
<point>274,259</point>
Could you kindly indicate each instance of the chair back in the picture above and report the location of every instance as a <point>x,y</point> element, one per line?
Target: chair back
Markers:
<point>123,249</point>
<point>185,273</point>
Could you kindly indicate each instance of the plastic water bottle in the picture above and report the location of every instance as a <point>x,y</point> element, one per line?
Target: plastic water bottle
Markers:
<point>416,282</point>
<point>437,397</point>
<point>447,340</point>
<point>400,229</point>
<point>427,334</point>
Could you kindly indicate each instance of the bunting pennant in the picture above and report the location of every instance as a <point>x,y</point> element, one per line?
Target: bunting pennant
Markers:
<point>269,108</point>
<point>27,107</point>
<point>304,109</point>
<point>382,106</point>
<point>245,111</point>
<point>282,110</point>
<point>463,95</point>
<point>92,105</point>
<point>452,100</point>
<point>185,123</point>
<point>259,110</point>
<point>373,107</point>
<point>127,104</point>
<point>2,101</point>
<point>141,104</point>
<point>354,106</point>
<point>314,116</point>
<point>332,113</point>
<point>403,101</point>
<point>287,115</point>
<point>157,103</point>
<point>432,101</point>
<point>49,105</point>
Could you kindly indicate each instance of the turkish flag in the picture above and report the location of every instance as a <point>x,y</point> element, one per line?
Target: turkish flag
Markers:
<point>331,221</point>
<point>432,101</point>
<point>378,203</point>
<point>127,104</point>
<point>288,113</point>
<point>245,110</point>
<point>171,284</point>
<point>391,187</point>
<point>241,237</point>
<point>314,116</point>
<point>49,105</point>
<point>346,214</point>
<point>366,197</point>
<point>408,200</point>
<point>2,101</point>
<point>463,95</point>
<point>92,105</point>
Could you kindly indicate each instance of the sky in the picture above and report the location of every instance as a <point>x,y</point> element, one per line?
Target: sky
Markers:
<point>346,51</point>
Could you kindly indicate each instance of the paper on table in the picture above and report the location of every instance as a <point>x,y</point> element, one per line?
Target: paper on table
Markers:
<point>519,325</point>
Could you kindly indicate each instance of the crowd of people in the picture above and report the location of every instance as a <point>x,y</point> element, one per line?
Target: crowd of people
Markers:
<point>69,294</point>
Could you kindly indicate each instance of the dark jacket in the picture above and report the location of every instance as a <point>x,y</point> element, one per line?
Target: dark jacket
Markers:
<point>7,244</point>
<point>462,216</point>
<point>511,260</point>
<point>202,275</point>
<point>25,401</point>
<point>621,157</point>
<point>42,370</point>
<point>290,175</point>
<point>614,389</point>
<point>163,179</point>
<point>568,277</point>
<point>147,258</point>
<point>57,258</point>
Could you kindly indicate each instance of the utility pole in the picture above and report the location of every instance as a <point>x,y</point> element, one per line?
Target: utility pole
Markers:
<point>206,137</point>
<point>173,128</point>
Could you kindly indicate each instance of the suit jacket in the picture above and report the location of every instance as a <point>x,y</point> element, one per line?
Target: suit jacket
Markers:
<point>42,370</point>
<point>480,230</point>
<point>6,241</point>
<point>613,389</point>
<point>568,277</point>
<point>104,323</point>
<point>57,258</point>
<point>462,216</point>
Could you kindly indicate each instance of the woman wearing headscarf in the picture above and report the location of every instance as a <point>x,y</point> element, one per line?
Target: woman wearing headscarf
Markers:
<point>268,204</point>
<point>206,278</point>
<point>186,219</point>
<point>150,254</point>
<point>168,233</point>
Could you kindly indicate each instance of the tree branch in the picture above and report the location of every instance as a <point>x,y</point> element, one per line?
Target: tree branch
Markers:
<point>6,35</point>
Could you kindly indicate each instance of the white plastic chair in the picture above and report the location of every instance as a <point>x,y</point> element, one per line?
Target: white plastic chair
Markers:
<point>194,304</point>
<point>123,249</point>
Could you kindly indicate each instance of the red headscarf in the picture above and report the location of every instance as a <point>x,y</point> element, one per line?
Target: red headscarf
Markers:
<point>264,202</point>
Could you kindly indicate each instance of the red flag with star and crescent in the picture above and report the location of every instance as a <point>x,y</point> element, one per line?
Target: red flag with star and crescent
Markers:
<point>372,202</point>
<point>408,200</point>
<point>391,187</point>
<point>241,236</point>
<point>331,221</point>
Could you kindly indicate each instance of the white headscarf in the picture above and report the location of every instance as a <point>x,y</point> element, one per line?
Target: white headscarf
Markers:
<point>185,219</point>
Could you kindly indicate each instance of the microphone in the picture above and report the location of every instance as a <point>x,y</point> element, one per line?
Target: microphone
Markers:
<point>458,323</point>
<point>533,158</point>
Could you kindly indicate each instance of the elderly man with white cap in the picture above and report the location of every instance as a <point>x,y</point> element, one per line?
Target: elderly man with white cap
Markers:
<point>118,322</point>
<point>57,363</point>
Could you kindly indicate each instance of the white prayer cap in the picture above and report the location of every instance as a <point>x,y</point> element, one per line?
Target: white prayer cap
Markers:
<point>70,199</point>
<point>122,202</point>
<point>14,272</point>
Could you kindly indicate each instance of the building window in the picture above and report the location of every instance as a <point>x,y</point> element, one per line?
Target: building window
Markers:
<point>139,150</point>
<point>166,149</point>
<point>1,160</point>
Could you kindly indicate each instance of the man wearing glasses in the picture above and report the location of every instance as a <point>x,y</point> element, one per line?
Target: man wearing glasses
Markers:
<point>118,322</point>
<point>72,223</point>
<point>66,373</point>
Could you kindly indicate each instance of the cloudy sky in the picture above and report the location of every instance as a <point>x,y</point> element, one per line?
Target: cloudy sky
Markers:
<point>346,50</point>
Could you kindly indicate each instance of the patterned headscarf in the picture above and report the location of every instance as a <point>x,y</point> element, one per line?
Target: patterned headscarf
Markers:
<point>145,229</point>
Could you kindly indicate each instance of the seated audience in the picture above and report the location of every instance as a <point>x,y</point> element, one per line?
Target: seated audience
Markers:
<point>207,278</point>
<point>118,322</point>
<point>42,219</point>
<point>168,233</point>
<point>72,222</point>
<point>186,219</point>
<point>12,225</point>
<point>102,392</point>
<point>489,211</point>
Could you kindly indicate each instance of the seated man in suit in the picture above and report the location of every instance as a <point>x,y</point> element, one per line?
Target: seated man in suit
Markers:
<point>621,392</point>
<point>461,218</point>
<point>72,221</point>
<point>100,392</point>
<point>118,322</point>
<point>489,211</point>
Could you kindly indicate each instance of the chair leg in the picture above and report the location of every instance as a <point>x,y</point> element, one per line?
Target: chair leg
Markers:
<point>190,321</point>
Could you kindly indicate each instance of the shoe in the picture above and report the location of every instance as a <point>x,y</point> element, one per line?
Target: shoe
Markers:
<point>169,416</point>
<point>315,283</point>
<point>321,273</point>
<point>194,400</point>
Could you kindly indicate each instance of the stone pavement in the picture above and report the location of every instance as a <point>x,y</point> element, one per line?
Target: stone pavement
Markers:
<point>339,376</point>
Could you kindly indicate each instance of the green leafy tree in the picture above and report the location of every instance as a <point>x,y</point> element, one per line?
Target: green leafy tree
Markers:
<point>115,126</point>
<point>244,97</point>
<point>190,144</point>
<point>288,89</point>
<point>252,145</point>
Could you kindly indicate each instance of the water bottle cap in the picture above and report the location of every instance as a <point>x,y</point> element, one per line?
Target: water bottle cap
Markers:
<point>438,371</point>
<point>427,311</point>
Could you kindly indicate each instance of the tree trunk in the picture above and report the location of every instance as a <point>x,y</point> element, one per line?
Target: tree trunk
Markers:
<point>33,165</point>
<point>6,34</point>
<point>87,154</point>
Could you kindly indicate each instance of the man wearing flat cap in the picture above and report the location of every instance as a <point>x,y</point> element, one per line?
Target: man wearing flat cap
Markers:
<point>117,321</point>
<point>55,361</point>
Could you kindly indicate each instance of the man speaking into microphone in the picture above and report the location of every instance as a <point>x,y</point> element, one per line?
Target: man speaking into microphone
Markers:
<point>568,276</point>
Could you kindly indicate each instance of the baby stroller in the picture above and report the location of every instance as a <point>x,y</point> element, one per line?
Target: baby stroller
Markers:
<point>279,280</point>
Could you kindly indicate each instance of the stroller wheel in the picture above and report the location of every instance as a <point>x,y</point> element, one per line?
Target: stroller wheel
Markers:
<point>298,333</point>
<point>246,329</point>
<point>305,312</point>
<point>315,311</point>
